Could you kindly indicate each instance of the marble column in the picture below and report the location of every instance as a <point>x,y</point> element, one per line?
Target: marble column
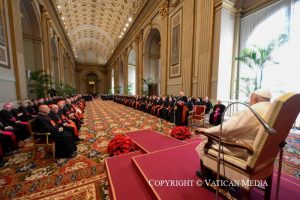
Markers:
<point>140,61</point>
<point>17,51</point>
<point>125,60</point>
<point>45,33</point>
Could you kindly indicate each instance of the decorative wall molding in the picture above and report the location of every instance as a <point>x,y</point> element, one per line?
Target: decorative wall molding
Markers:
<point>50,7</point>
<point>164,9</point>
<point>257,6</point>
<point>7,77</point>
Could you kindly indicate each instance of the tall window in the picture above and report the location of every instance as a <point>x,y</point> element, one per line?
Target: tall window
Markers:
<point>265,26</point>
<point>131,79</point>
<point>112,81</point>
<point>132,72</point>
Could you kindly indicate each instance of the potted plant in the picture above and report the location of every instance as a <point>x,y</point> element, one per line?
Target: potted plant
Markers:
<point>128,88</point>
<point>39,83</point>
<point>257,58</point>
<point>120,144</point>
<point>181,133</point>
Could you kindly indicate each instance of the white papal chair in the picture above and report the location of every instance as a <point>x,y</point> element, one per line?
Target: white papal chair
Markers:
<point>259,164</point>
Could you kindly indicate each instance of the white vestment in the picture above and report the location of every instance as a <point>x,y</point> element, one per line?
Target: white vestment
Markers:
<point>242,127</point>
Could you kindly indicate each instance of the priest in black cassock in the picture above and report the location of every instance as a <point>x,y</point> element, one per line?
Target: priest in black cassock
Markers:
<point>207,104</point>
<point>216,115</point>
<point>64,141</point>
<point>181,112</point>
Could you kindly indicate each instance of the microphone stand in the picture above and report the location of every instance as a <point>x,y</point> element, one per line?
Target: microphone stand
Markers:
<point>266,126</point>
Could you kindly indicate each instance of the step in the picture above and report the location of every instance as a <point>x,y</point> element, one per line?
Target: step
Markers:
<point>150,141</point>
<point>176,163</point>
<point>124,181</point>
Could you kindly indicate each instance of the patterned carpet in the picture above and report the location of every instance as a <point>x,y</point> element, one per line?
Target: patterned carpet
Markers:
<point>83,177</point>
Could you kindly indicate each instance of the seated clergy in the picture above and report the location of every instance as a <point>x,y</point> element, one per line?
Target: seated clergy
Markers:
<point>62,121</point>
<point>31,110</point>
<point>242,127</point>
<point>216,115</point>
<point>12,123</point>
<point>64,140</point>
<point>207,105</point>
<point>11,142</point>
<point>25,115</point>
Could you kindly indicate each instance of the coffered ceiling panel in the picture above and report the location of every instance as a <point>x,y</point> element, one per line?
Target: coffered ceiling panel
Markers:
<point>95,27</point>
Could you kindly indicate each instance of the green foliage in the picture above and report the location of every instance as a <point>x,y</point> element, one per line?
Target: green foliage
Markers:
<point>117,89</point>
<point>128,89</point>
<point>248,85</point>
<point>39,83</point>
<point>256,58</point>
<point>69,90</point>
<point>59,87</point>
<point>64,89</point>
<point>147,82</point>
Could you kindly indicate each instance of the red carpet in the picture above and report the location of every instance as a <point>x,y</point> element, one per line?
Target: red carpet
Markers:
<point>195,139</point>
<point>124,180</point>
<point>178,163</point>
<point>139,176</point>
<point>150,141</point>
<point>289,188</point>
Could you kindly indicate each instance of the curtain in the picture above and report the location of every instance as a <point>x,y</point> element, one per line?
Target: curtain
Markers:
<point>262,27</point>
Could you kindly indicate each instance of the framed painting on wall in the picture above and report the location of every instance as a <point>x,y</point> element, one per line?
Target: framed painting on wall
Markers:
<point>4,61</point>
<point>175,55</point>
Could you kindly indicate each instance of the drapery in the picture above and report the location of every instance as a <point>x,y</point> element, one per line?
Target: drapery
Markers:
<point>265,25</point>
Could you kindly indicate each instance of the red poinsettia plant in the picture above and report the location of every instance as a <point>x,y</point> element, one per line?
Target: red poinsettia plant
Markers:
<point>181,133</point>
<point>120,144</point>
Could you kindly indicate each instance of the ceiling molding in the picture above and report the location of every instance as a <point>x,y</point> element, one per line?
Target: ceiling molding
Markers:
<point>50,7</point>
<point>149,10</point>
<point>104,21</point>
<point>90,27</point>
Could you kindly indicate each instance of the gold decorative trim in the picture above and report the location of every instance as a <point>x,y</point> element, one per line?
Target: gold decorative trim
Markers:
<point>164,8</point>
<point>30,37</point>
<point>14,50</point>
<point>258,6</point>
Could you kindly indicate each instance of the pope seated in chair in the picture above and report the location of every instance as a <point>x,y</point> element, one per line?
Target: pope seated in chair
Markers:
<point>241,127</point>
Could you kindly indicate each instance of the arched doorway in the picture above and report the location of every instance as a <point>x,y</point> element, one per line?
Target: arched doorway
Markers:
<point>132,72</point>
<point>152,62</point>
<point>91,83</point>
<point>32,40</point>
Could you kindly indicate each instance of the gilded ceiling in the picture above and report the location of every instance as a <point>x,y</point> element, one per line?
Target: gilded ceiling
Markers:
<point>95,27</point>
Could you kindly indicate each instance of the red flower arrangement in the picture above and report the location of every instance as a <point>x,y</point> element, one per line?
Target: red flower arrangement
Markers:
<point>181,133</point>
<point>120,144</point>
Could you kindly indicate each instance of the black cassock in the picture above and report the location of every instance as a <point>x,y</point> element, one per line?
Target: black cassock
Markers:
<point>20,129</point>
<point>26,116</point>
<point>181,113</point>
<point>216,116</point>
<point>65,144</point>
